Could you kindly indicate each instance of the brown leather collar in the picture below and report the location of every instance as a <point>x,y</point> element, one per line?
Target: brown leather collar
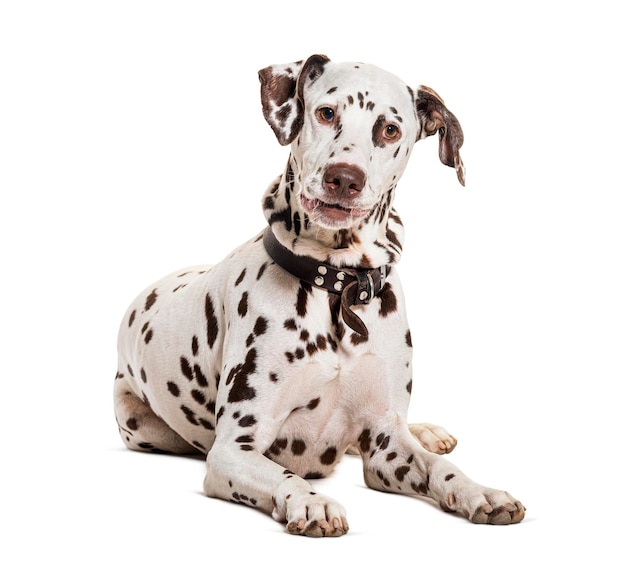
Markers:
<point>356,286</point>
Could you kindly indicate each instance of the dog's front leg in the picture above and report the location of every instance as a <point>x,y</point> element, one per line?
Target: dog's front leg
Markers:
<point>239,473</point>
<point>395,462</point>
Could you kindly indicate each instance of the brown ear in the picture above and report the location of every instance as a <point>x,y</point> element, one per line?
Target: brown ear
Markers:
<point>282,94</point>
<point>311,70</point>
<point>435,117</point>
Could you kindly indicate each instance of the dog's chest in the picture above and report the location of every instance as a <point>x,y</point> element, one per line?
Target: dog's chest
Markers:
<point>328,386</point>
<point>320,410</point>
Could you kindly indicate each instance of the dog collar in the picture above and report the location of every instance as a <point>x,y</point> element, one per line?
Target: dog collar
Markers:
<point>355,286</point>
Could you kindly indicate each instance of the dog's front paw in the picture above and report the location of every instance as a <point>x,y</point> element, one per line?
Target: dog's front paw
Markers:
<point>313,515</point>
<point>482,505</point>
<point>433,438</point>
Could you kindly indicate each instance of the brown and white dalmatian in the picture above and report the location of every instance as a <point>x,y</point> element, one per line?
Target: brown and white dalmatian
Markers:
<point>296,347</point>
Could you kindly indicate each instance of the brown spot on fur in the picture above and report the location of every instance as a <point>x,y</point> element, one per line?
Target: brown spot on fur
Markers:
<point>194,345</point>
<point>260,326</point>
<point>247,421</point>
<point>311,348</point>
<point>186,368</point>
<point>261,271</point>
<point>150,300</point>
<point>329,456</point>
<point>388,301</point>
<point>301,302</point>
<point>377,130</point>
<point>198,396</point>
<point>382,440</point>
<point>189,414</point>
<point>421,489</point>
<point>242,309</point>
<point>241,389</point>
<point>365,440</point>
<point>313,474</point>
<point>321,342</point>
<point>201,379</point>
<point>211,321</point>
<point>240,277</point>
<point>401,472</point>
<point>277,446</point>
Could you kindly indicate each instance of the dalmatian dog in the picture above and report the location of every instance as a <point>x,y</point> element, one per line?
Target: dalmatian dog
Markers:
<point>296,347</point>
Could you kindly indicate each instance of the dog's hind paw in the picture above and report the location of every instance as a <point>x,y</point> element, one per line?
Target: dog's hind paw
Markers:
<point>433,438</point>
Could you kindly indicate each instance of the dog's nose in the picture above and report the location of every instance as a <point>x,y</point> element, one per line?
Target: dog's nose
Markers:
<point>344,180</point>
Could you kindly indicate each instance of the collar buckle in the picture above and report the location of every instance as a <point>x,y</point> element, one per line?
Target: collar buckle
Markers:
<point>364,287</point>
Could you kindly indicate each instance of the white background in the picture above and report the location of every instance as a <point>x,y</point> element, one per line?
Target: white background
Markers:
<point>132,143</point>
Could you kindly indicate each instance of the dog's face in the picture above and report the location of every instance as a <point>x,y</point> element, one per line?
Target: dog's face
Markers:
<point>352,127</point>
<point>359,126</point>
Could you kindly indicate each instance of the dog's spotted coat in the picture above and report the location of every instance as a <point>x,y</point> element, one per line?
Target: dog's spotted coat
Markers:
<point>245,363</point>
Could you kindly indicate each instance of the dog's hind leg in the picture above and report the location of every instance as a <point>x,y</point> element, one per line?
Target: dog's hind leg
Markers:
<point>140,428</point>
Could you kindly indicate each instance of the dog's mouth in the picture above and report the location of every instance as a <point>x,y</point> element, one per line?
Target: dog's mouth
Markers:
<point>332,212</point>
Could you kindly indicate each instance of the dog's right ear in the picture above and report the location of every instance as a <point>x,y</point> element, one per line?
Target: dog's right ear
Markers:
<point>282,94</point>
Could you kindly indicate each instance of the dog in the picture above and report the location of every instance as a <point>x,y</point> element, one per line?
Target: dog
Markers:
<point>296,347</point>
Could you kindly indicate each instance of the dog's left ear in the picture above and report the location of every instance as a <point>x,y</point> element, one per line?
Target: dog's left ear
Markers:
<point>282,94</point>
<point>434,117</point>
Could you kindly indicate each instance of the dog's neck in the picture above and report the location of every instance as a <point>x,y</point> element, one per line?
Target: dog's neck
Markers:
<point>375,241</point>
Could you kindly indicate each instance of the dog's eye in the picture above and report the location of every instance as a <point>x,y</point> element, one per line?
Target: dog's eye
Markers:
<point>391,132</point>
<point>326,115</point>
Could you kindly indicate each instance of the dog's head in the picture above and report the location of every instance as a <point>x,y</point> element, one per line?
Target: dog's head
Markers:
<point>352,127</point>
